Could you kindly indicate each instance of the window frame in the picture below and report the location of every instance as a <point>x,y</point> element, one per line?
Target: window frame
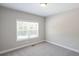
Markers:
<point>22,39</point>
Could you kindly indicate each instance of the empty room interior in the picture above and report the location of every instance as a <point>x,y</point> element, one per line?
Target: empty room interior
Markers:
<point>39,29</point>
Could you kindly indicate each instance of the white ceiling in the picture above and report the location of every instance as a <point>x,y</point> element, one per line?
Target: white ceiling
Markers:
<point>35,8</point>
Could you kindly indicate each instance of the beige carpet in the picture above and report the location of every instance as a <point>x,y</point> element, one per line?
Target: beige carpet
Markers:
<point>42,49</point>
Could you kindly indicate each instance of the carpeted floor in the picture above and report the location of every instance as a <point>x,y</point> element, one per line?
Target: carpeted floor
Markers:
<point>42,49</point>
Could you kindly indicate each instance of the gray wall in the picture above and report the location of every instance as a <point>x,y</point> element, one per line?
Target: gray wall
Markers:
<point>8,19</point>
<point>63,29</point>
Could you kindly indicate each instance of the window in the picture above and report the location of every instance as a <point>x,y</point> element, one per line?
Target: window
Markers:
<point>27,30</point>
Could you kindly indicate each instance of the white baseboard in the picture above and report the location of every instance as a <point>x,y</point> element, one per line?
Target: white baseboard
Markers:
<point>75,50</point>
<point>12,49</point>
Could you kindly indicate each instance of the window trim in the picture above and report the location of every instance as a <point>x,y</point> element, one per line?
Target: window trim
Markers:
<point>28,37</point>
